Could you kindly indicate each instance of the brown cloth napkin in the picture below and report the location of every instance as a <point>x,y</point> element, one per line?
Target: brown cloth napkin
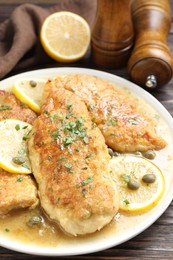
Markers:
<point>20,46</point>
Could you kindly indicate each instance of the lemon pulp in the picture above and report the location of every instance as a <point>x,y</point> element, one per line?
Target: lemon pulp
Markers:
<point>147,195</point>
<point>29,91</point>
<point>13,146</point>
<point>65,36</point>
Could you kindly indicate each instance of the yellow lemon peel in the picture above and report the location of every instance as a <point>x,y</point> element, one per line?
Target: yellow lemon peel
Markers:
<point>128,168</point>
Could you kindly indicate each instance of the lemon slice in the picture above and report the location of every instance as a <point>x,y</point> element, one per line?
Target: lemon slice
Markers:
<point>13,146</point>
<point>139,181</point>
<point>29,91</point>
<point>65,36</point>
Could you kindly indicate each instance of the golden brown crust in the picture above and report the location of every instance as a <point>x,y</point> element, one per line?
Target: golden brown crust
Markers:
<point>124,127</point>
<point>12,108</point>
<point>70,163</point>
<point>16,191</point>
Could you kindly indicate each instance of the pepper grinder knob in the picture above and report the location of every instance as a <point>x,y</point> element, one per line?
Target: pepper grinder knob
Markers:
<point>151,81</point>
<point>151,63</point>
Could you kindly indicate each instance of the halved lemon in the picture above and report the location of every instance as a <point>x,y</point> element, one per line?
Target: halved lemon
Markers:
<point>65,36</point>
<point>29,91</point>
<point>13,146</point>
<point>139,181</point>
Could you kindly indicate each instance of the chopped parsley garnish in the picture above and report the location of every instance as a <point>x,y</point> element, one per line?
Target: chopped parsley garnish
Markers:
<point>85,139</point>
<point>53,117</point>
<point>5,108</point>
<point>69,106</point>
<point>19,179</point>
<point>26,137</point>
<point>67,141</point>
<point>133,121</point>
<point>126,202</point>
<point>88,180</point>
<point>112,122</point>
<point>88,156</point>
<point>126,178</point>
<point>21,151</point>
<point>62,158</point>
<point>156,117</point>
<point>68,116</point>
<point>17,127</point>
<point>57,116</point>
<point>68,166</point>
<point>74,131</point>
<point>56,135</point>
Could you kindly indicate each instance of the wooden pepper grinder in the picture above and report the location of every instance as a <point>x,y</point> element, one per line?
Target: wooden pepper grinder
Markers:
<point>151,63</point>
<point>112,34</point>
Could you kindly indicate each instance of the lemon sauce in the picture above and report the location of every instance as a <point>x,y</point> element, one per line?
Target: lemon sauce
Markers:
<point>47,233</point>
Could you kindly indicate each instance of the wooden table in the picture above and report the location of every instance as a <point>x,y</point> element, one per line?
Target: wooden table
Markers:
<point>157,241</point>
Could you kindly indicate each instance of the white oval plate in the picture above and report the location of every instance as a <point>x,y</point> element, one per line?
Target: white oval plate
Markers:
<point>111,239</point>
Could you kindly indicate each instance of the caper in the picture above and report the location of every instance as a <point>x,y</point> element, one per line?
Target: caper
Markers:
<point>149,178</point>
<point>138,153</point>
<point>35,220</point>
<point>149,154</point>
<point>116,154</point>
<point>111,152</point>
<point>33,83</point>
<point>133,185</point>
<point>18,160</point>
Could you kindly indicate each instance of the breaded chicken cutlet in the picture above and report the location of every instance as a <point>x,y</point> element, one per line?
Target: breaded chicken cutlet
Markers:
<point>124,127</point>
<point>12,108</point>
<point>70,159</point>
<point>16,190</point>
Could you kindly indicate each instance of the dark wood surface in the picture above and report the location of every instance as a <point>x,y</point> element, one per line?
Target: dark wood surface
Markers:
<point>157,241</point>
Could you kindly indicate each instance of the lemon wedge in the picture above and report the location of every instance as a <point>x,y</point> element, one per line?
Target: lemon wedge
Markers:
<point>29,91</point>
<point>139,181</point>
<point>65,36</point>
<point>13,146</point>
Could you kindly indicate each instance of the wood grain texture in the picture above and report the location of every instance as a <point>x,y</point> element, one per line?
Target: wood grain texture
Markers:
<point>151,55</point>
<point>111,46</point>
<point>157,241</point>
